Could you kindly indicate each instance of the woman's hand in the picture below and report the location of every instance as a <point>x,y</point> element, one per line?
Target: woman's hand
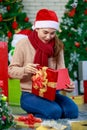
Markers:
<point>30,68</point>
<point>70,87</point>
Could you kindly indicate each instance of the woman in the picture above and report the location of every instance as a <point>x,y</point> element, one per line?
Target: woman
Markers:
<point>44,48</point>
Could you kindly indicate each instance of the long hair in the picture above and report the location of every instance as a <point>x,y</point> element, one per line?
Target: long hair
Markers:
<point>57,48</point>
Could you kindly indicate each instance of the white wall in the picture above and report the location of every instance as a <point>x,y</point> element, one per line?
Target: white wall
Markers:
<point>32,6</point>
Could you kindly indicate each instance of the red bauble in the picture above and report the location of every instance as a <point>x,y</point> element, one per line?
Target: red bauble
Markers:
<point>77,44</point>
<point>8,8</point>
<point>85,12</point>
<point>72,13</point>
<point>85,0</point>
<point>26,19</point>
<point>70,34</point>
<point>3,118</point>
<point>1,18</point>
<point>0,0</point>
<point>9,34</point>
<point>14,25</point>
<point>86,48</point>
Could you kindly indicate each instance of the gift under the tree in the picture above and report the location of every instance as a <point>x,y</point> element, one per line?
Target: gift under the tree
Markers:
<point>44,83</point>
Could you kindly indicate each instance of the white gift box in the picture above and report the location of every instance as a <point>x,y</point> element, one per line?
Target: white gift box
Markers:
<point>82,70</point>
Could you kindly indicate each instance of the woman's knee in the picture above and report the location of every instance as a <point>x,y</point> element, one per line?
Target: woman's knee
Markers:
<point>55,113</point>
<point>71,112</point>
<point>69,108</point>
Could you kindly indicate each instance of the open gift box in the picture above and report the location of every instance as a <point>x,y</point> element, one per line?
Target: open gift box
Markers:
<point>45,82</point>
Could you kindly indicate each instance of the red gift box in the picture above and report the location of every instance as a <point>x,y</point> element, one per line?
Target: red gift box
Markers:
<point>85,91</point>
<point>63,79</point>
<point>44,83</point>
<point>4,67</point>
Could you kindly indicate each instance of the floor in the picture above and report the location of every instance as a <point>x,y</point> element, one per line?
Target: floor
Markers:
<point>82,117</point>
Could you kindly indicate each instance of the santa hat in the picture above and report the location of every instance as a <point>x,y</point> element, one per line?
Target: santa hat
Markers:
<point>46,19</point>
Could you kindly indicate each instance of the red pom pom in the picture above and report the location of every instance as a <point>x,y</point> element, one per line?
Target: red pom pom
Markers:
<point>25,32</point>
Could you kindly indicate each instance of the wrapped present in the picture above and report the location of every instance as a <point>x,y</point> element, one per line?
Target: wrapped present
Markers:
<point>44,83</point>
<point>14,86</point>
<point>27,121</point>
<point>85,91</point>
<point>4,66</point>
<point>63,79</point>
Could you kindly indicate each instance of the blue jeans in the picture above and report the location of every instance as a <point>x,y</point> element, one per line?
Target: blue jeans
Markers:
<point>62,107</point>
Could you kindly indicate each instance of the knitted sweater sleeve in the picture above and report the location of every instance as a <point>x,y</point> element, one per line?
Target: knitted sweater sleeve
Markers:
<point>17,65</point>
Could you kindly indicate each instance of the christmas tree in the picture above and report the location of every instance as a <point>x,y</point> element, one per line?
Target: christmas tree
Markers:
<point>6,117</point>
<point>73,33</point>
<point>12,20</point>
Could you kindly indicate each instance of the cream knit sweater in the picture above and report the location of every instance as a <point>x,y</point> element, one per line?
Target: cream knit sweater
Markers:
<point>24,53</point>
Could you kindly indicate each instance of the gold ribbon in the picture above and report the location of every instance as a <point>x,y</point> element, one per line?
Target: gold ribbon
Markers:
<point>45,83</point>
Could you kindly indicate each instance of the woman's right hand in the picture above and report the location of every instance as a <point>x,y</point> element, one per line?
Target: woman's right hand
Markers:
<point>31,68</point>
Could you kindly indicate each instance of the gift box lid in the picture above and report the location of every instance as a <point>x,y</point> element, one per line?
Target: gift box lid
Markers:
<point>62,79</point>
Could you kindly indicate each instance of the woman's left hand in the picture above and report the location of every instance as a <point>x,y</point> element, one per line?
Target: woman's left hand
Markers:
<point>70,87</point>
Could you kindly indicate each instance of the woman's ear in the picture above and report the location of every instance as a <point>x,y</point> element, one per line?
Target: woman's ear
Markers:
<point>36,29</point>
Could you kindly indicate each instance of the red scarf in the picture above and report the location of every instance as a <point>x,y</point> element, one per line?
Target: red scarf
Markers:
<point>43,51</point>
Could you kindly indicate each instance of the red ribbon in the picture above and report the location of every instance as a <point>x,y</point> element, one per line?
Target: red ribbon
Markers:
<point>29,120</point>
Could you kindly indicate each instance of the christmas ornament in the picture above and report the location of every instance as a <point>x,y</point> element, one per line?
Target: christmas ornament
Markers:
<point>77,44</point>
<point>70,34</point>
<point>4,98</point>
<point>74,57</point>
<point>68,21</point>
<point>72,12</point>
<point>1,18</point>
<point>8,8</point>
<point>86,48</point>
<point>74,5</point>
<point>9,34</point>
<point>0,0</point>
<point>14,25</point>
<point>79,30</point>
<point>85,12</point>
<point>3,118</point>
<point>26,19</point>
<point>85,0</point>
<point>70,66</point>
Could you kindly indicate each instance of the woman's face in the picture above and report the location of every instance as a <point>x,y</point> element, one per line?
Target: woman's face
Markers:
<point>46,34</point>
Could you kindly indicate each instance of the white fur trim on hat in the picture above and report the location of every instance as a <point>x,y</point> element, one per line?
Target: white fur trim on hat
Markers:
<point>46,24</point>
<point>17,38</point>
